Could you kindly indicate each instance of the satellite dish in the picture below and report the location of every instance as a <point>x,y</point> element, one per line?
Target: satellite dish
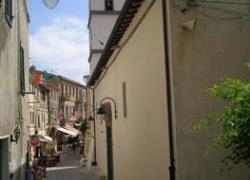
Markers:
<point>51,4</point>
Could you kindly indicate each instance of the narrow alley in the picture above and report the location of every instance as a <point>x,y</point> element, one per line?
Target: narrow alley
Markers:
<point>70,168</point>
<point>124,90</point>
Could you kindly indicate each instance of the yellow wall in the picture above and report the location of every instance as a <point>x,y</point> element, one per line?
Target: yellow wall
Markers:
<point>140,144</point>
<point>214,50</point>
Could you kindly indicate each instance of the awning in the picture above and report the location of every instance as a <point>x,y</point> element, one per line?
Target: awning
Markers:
<point>70,128</point>
<point>37,139</point>
<point>66,131</point>
<point>44,138</point>
<point>48,138</point>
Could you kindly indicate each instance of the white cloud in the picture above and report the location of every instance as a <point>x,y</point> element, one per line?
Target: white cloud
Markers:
<point>62,46</point>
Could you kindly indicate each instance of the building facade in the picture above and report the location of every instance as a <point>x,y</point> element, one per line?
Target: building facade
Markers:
<point>14,116</point>
<point>102,16</point>
<point>72,101</point>
<point>150,80</point>
<point>57,106</point>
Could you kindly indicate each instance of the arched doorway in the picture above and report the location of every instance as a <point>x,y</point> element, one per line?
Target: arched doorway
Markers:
<point>108,119</point>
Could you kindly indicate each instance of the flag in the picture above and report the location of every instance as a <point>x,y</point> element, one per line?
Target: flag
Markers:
<point>37,79</point>
<point>41,77</point>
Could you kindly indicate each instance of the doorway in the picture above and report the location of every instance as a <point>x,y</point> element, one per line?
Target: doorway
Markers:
<point>4,158</point>
<point>110,165</point>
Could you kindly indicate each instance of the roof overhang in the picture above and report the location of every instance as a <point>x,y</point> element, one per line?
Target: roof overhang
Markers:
<point>125,18</point>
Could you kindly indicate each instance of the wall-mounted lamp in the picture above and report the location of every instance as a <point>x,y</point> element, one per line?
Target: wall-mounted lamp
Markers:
<point>101,113</point>
<point>105,109</point>
<point>17,133</point>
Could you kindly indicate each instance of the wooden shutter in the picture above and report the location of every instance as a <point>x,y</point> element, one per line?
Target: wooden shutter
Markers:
<point>22,69</point>
<point>8,12</point>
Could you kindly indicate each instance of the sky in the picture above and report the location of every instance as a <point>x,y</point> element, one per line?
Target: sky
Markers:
<point>59,38</point>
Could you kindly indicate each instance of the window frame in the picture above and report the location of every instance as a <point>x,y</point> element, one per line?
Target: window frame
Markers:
<point>109,5</point>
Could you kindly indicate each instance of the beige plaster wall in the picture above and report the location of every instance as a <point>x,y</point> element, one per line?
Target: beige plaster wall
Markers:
<point>140,144</point>
<point>94,60</point>
<point>214,50</point>
<point>101,26</point>
<point>8,75</point>
<point>12,102</point>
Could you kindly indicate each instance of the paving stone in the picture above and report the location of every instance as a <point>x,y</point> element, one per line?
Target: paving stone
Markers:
<point>70,169</point>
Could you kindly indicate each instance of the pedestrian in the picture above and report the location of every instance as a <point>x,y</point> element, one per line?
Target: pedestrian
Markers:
<point>28,174</point>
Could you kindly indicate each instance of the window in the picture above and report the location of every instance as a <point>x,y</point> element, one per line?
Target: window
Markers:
<point>8,12</point>
<point>31,117</point>
<point>43,95</point>
<point>38,119</point>
<point>21,69</point>
<point>62,89</point>
<point>109,5</point>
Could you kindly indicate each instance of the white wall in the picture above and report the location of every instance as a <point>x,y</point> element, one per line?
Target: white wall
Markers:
<point>101,27</point>
<point>94,60</point>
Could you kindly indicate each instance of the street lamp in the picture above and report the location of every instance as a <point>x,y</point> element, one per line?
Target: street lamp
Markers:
<point>17,133</point>
<point>105,109</point>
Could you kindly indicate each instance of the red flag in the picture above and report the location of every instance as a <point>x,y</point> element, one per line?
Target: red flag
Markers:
<point>37,79</point>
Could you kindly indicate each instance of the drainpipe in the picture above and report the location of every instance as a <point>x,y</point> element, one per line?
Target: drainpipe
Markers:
<point>172,170</point>
<point>94,116</point>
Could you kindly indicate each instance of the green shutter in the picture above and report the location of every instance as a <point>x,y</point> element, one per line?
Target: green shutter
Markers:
<point>8,12</point>
<point>22,70</point>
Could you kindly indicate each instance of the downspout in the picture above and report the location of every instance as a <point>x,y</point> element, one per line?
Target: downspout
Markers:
<point>172,169</point>
<point>94,116</point>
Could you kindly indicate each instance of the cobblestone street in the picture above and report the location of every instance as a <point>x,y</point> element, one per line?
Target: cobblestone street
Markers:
<point>69,169</point>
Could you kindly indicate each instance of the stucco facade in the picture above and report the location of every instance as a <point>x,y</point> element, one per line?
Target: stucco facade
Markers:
<point>135,151</point>
<point>214,50</point>
<point>71,102</point>
<point>199,57</point>
<point>14,49</point>
<point>39,110</point>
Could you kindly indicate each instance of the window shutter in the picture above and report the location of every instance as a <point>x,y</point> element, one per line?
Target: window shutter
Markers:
<point>22,69</point>
<point>8,12</point>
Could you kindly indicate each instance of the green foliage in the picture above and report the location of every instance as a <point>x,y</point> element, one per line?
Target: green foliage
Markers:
<point>234,120</point>
<point>84,127</point>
